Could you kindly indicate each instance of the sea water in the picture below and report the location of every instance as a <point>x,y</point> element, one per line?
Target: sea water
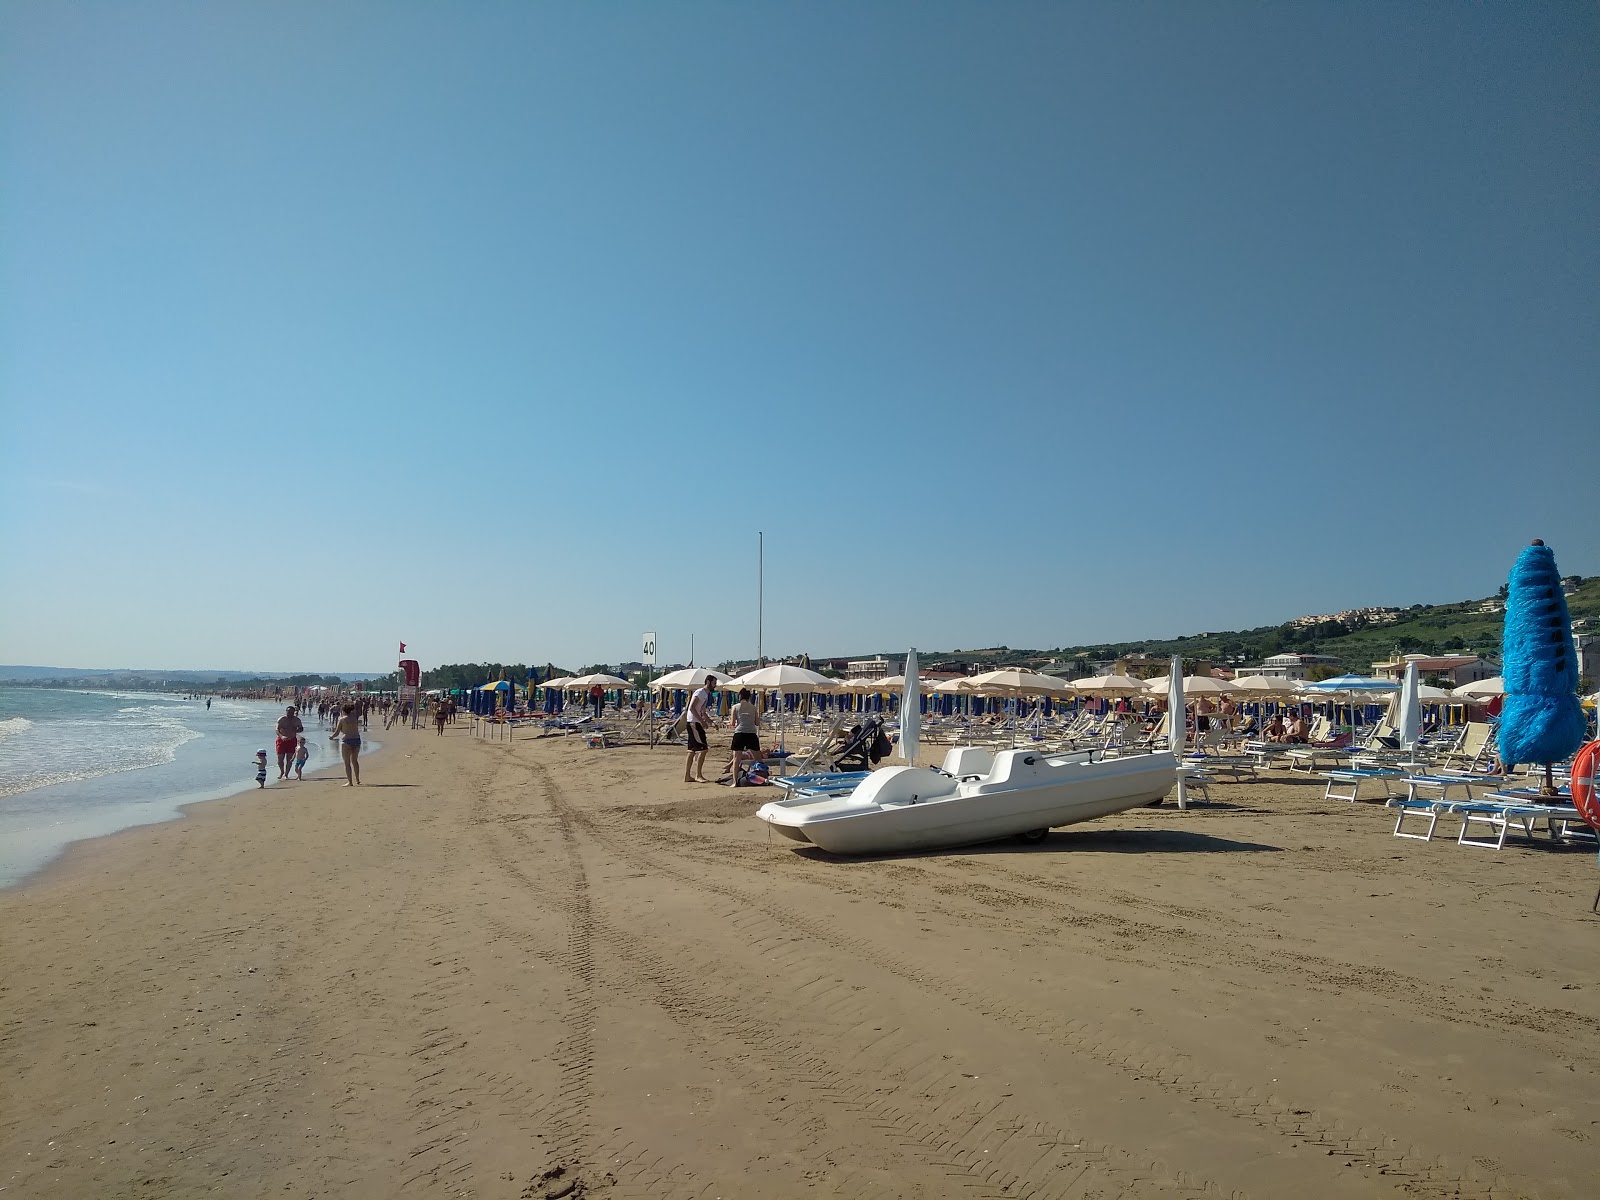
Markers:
<point>77,764</point>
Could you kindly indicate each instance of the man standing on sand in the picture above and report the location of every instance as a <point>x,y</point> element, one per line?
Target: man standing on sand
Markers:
<point>696,725</point>
<point>289,731</point>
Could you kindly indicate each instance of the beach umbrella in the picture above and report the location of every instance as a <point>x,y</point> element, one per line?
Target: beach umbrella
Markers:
<point>1410,722</point>
<point>910,711</point>
<point>1481,689</point>
<point>608,682</point>
<point>788,679</point>
<point>684,679</point>
<point>1262,685</point>
<point>1353,689</point>
<point>1015,681</point>
<point>1177,722</point>
<point>1193,685</point>
<point>1351,685</point>
<point>1542,721</point>
<point>1110,685</point>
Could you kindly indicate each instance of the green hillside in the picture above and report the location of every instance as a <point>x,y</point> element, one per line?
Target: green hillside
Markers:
<point>1421,629</point>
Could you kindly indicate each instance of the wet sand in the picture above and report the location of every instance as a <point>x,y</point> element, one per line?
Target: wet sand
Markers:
<point>534,970</point>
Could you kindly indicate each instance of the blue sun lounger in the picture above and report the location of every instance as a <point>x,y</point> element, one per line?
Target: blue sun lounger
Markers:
<point>820,783</point>
<point>1444,783</point>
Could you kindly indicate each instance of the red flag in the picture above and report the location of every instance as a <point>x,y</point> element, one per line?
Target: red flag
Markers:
<point>402,647</point>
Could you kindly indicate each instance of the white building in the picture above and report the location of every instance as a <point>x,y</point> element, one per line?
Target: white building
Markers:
<point>1289,666</point>
<point>1457,668</point>
<point>872,668</point>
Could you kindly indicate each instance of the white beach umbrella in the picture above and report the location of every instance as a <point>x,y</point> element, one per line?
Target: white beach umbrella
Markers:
<point>1109,685</point>
<point>1410,722</point>
<point>1262,685</point>
<point>910,711</point>
<point>605,681</point>
<point>949,686</point>
<point>1015,681</point>
<point>562,682</point>
<point>1481,689</point>
<point>1193,685</point>
<point>685,679</point>
<point>788,679</point>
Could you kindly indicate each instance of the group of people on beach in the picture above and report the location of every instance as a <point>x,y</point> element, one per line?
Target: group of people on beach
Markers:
<point>293,751</point>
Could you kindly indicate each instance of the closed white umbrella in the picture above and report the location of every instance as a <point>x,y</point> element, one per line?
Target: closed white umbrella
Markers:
<point>910,711</point>
<point>1177,725</point>
<point>1410,722</point>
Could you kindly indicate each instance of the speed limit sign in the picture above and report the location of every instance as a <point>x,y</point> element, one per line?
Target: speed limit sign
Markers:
<point>650,647</point>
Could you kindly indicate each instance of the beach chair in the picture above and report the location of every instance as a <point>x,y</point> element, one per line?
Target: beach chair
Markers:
<point>803,762</point>
<point>1475,750</point>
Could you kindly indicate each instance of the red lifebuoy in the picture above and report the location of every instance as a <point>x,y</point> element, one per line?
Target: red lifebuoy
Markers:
<point>1584,798</point>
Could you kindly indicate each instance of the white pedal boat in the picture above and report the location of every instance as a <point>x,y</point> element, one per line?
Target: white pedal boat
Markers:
<point>977,796</point>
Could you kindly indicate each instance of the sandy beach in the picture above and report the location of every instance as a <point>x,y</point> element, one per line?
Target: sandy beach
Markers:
<point>535,970</point>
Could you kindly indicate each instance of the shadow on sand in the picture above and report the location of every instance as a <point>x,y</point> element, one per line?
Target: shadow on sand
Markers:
<point>1095,841</point>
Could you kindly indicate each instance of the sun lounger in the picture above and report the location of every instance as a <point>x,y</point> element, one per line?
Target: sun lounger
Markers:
<point>1501,813</point>
<point>1236,767</point>
<point>1355,777</point>
<point>821,783</point>
<point>1445,784</point>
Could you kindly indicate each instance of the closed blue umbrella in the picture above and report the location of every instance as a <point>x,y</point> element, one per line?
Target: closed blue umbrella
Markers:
<point>1542,720</point>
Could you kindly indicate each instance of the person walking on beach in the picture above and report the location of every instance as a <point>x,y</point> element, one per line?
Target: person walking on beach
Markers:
<point>347,732</point>
<point>695,727</point>
<point>261,768</point>
<point>289,731</point>
<point>301,753</point>
<point>441,714</point>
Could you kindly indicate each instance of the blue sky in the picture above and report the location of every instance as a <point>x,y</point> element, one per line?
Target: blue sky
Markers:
<point>503,328</point>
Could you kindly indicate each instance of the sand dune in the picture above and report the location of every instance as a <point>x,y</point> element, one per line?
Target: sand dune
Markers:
<point>534,969</point>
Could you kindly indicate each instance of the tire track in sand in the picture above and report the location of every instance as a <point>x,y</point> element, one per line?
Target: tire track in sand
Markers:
<point>988,1148</point>
<point>1386,1159</point>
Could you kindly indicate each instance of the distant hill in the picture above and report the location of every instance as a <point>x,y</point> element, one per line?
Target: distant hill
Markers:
<point>1464,626</point>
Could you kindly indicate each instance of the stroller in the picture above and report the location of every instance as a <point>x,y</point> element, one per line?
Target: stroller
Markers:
<point>866,746</point>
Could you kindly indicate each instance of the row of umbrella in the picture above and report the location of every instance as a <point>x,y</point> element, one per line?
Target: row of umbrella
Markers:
<point>1015,681</point>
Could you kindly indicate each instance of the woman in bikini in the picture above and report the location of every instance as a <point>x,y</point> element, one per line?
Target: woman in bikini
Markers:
<point>347,732</point>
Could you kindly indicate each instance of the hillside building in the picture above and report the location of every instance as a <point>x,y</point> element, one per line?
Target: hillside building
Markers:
<point>1290,666</point>
<point>1457,668</point>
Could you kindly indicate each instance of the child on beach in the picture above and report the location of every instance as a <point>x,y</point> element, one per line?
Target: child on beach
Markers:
<point>261,768</point>
<point>301,753</point>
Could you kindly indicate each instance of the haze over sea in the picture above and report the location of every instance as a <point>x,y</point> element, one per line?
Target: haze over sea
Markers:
<point>78,764</point>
